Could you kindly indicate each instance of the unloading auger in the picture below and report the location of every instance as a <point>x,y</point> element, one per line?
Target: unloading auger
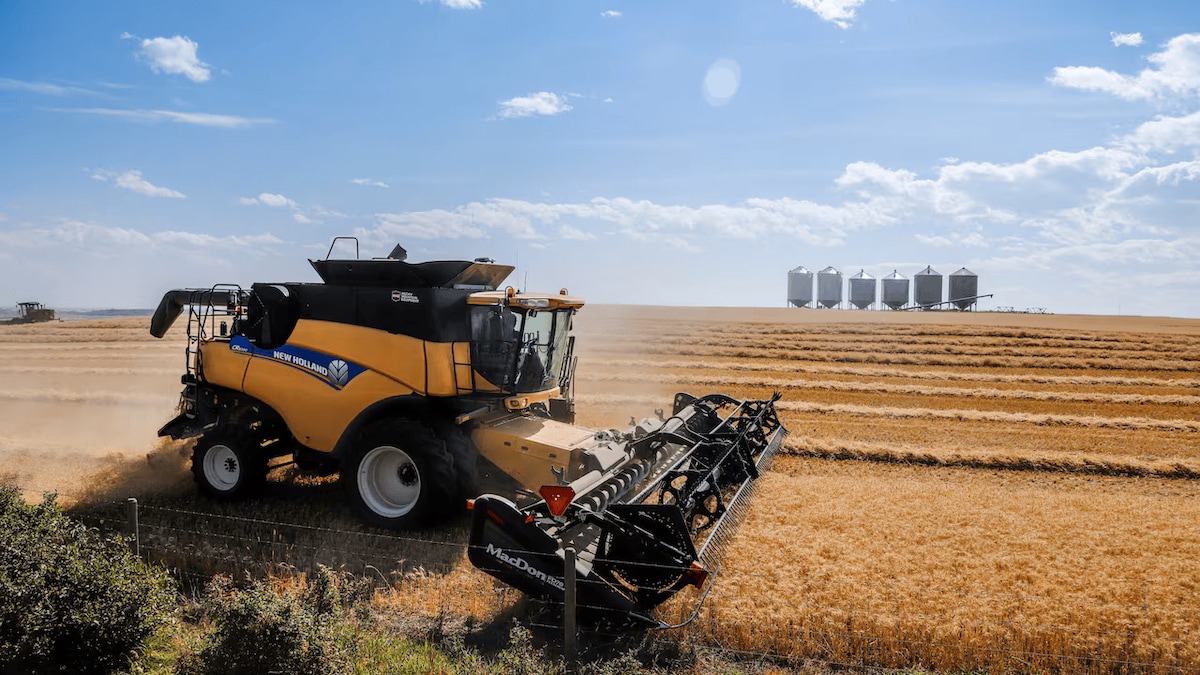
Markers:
<point>648,527</point>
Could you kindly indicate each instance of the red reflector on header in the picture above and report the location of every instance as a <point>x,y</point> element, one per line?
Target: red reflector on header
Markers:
<point>697,575</point>
<point>557,497</point>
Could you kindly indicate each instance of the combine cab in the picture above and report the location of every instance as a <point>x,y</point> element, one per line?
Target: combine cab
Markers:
<point>428,387</point>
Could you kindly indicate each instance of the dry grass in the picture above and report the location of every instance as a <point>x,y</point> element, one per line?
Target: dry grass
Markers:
<point>960,491</point>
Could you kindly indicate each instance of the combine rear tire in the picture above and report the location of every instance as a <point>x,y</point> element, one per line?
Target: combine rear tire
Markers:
<point>229,464</point>
<point>398,474</point>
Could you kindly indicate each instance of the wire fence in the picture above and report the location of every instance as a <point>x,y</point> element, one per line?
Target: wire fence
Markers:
<point>430,572</point>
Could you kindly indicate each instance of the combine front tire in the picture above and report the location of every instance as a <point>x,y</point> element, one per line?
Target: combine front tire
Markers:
<point>228,464</point>
<point>397,475</point>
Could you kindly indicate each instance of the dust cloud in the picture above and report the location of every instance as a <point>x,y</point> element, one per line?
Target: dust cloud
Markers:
<point>82,401</point>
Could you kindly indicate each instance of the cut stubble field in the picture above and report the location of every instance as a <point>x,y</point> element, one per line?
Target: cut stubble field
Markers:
<point>959,491</point>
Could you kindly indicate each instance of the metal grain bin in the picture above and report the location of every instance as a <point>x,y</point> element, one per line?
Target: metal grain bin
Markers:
<point>895,290</point>
<point>800,287</point>
<point>829,287</point>
<point>862,290</point>
<point>927,288</point>
<point>964,286</point>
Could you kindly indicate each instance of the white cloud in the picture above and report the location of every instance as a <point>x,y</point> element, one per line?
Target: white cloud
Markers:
<point>269,199</point>
<point>575,234</point>
<point>175,56</point>
<point>200,119</point>
<point>1126,39</point>
<point>101,238</point>
<point>459,4</point>
<point>540,103</point>
<point>7,84</point>
<point>838,12</point>
<point>368,182</point>
<point>815,224</point>
<point>299,215</point>
<point>1175,71</point>
<point>954,239</point>
<point>326,213</point>
<point>133,181</point>
<point>1164,134</point>
<point>610,14</point>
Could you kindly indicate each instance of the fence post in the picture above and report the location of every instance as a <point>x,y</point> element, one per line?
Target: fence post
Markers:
<point>569,653</point>
<point>131,510</point>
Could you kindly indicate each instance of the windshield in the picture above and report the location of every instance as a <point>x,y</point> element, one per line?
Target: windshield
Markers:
<point>519,350</point>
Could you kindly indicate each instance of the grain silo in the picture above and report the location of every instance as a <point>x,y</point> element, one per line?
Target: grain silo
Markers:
<point>862,290</point>
<point>829,287</point>
<point>927,288</point>
<point>895,290</point>
<point>964,287</point>
<point>800,287</point>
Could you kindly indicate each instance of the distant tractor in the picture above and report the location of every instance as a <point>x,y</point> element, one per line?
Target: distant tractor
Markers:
<point>32,312</point>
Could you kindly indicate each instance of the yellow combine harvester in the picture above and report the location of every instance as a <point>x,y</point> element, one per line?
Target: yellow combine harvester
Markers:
<point>429,387</point>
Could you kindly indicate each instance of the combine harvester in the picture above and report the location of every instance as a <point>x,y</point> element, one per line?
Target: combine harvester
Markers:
<point>427,387</point>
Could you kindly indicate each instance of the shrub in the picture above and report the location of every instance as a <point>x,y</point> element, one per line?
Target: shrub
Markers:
<point>257,630</point>
<point>71,599</point>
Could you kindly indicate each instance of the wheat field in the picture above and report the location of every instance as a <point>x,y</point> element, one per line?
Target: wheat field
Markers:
<point>959,491</point>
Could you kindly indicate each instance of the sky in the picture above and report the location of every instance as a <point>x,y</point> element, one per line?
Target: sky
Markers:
<point>666,153</point>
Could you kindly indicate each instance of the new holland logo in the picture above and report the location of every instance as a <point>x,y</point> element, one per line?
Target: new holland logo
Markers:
<point>339,372</point>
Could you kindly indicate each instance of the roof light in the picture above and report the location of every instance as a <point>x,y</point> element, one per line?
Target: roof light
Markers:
<point>562,291</point>
<point>557,497</point>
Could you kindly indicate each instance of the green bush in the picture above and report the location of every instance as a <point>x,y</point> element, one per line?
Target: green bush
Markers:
<point>256,630</point>
<point>71,599</point>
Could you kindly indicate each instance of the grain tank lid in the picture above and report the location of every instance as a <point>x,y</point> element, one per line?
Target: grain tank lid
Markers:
<point>862,274</point>
<point>401,274</point>
<point>896,275</point>
<point>928,271</point>
<point>800,270</point>
<point>830,270</point>
<point>964,272</point>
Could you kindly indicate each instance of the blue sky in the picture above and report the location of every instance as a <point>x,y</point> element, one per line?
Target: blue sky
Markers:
<point>635,152</point>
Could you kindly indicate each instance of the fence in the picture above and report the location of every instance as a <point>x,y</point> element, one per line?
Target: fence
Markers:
<point>429,573</point>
